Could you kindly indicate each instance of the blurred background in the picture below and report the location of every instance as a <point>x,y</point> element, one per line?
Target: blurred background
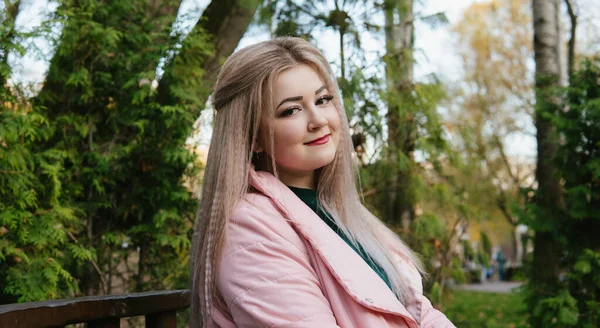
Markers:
<point>475,124</point>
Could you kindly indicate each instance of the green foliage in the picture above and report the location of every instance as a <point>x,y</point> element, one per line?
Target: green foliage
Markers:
<point>486,244</point>
<point>585,286</point>
<point>421,126</point>
<point>303,18</point>
<point>433,241</point>
<point>34,216</point>
<point>435,296</point>
<point>124,145</point>
<point>573,301</point>
<point>429,226</point>
<point>481,254</point>
<point>579,156</point>
<point>559,310</point>
<point>91,168</point>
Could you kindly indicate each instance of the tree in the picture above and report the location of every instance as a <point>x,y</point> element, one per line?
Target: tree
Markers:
<point>578,164</point>
<point>548,197</point>
<point>411,119</point>
<point>223,23</point>
<point>493,100</point>
<point>117,141</point>
<point>399,37</point>
<point>35,217</point>
<point>124,156</point>
<point>8,37</point>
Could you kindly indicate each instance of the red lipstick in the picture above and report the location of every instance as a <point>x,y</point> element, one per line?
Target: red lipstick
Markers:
<point>319,141</point>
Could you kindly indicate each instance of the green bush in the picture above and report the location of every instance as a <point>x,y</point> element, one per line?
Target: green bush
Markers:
<point>573,300</point>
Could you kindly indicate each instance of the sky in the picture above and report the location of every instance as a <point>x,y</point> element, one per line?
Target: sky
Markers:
<point>435,43</point>
<point>436,53</point>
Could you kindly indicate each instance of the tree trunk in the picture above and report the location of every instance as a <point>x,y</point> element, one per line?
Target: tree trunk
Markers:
<point>399,38</point>
<point>12,11</point>
<point>549,196</point>
<point>139,281</point>
<point>573,34</point>
<point>225,22</point>
<point>342,55</point>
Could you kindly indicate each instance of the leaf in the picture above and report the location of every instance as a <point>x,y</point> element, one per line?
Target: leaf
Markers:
<point>583,267</point>
<point>435,20</point>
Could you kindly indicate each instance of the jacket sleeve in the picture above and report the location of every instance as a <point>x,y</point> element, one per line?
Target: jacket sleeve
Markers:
<point>267,280</point>
<point>432,318</point>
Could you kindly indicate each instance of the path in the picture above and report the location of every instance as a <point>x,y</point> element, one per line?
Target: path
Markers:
<point>492,287</point>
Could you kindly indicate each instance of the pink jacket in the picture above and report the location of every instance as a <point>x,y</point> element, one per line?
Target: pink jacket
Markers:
<point>282,266</point>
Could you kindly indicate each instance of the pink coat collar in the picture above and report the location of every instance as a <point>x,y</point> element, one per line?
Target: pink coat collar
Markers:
<point>350,270</point>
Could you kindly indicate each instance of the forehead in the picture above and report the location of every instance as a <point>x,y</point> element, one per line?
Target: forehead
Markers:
<point>300,80</point>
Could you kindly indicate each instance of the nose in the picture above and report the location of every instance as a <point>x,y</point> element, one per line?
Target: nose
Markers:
<point>317,120</point>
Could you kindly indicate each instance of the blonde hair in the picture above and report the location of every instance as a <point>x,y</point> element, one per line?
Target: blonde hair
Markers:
<point>242,99</point>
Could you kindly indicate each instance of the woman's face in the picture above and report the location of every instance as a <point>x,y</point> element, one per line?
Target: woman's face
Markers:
<point>306,125</point>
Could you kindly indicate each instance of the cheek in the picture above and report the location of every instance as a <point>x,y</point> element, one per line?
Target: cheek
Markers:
<point>334,121</point>
<point>287,135</point>
<point>334,124</point>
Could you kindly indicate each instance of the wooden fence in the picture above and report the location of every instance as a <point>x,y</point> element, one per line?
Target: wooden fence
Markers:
<point>159,309</point>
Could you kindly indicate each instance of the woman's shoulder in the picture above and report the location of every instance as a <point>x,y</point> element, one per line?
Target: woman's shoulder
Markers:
<point>258,213</point>
<point>256,220</point>
<point>252,204</point>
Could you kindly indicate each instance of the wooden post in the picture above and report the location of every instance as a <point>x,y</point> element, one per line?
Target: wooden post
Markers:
<point>105,323</point>
<point>162,320</point>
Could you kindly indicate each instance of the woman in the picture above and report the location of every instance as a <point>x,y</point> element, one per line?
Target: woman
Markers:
<point>282,238</point>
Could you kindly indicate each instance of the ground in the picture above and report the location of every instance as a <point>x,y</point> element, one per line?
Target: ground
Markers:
<point>490,305</point>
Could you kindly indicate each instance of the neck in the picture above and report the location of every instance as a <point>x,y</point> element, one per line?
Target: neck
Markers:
<point>298,179</point>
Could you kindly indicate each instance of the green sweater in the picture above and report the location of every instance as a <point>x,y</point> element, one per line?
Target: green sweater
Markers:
<point>309,197</point>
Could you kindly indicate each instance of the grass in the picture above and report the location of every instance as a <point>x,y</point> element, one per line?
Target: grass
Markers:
<point>468,309</point>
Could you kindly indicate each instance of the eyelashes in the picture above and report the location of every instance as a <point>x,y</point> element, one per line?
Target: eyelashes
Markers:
<point>323,100</point>
<point>288,112</point>
<point>327,97</point>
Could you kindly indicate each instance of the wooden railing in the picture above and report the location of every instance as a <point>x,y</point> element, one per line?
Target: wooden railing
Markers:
<point>159,309</point>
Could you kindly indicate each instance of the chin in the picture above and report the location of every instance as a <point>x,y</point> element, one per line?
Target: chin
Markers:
<point>310,165</point>
<point>323,161</point>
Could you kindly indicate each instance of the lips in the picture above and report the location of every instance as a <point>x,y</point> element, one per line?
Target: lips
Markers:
<point>319,141</point>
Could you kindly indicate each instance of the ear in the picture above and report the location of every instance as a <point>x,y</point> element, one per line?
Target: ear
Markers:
<point>259,141</point>
<point>257,148</point>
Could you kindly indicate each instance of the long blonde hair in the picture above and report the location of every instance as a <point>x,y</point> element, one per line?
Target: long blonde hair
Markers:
<point>242,99</point>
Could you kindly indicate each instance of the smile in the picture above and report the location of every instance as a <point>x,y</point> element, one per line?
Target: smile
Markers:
<point>320,141</point>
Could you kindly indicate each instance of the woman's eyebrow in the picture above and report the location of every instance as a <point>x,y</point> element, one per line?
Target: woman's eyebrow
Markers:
<point>300,97</point>
<point>289,99</point>
<point>320,89</point>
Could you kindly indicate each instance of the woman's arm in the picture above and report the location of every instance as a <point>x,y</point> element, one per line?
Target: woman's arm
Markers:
<point>265,279</point>
<point>432,318</point>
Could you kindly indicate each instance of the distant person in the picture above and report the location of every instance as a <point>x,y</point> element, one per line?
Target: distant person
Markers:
<point>282,238</point>
<point>501,260</point>
<point>490,272</point>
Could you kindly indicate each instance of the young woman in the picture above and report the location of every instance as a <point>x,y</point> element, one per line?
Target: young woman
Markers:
<point>282,238</point>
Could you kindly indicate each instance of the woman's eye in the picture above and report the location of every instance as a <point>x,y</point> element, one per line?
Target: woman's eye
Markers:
<point>324,100</point>
<point>289,111</point>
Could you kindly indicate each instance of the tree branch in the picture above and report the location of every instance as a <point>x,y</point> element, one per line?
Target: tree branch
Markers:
<point>571,58</point>
<point>12,172</point>
<point>225,21</point>
<point>500,146</point>
<point>501,202</point>
<point>104,284</point>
